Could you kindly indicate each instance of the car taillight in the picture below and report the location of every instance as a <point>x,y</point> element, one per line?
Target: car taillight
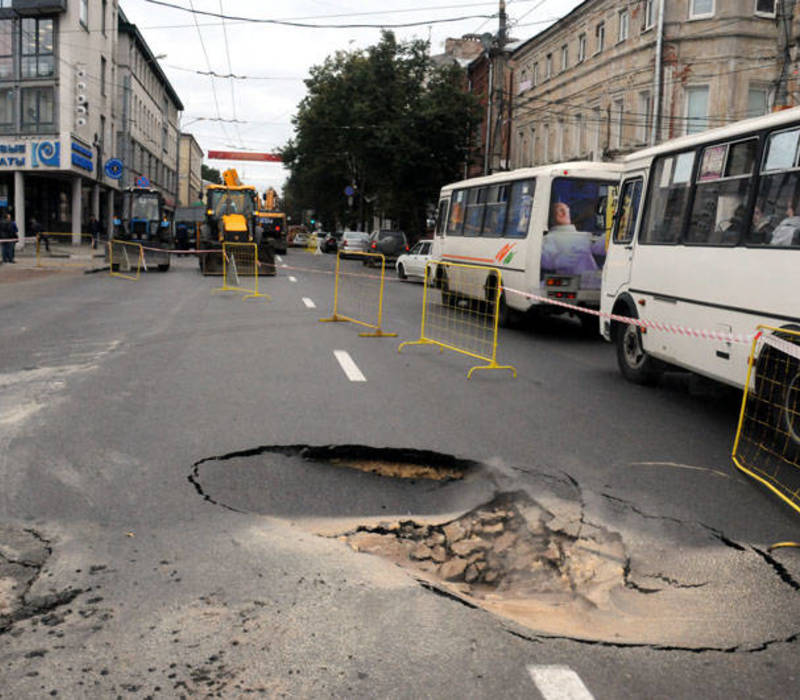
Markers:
<point>406,249</point>
<point>374,245</point>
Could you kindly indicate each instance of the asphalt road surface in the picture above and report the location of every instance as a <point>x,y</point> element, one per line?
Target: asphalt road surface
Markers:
<point>202,496</point>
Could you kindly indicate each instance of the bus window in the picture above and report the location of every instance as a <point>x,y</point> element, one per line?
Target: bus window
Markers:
<point>669,193</point>
<point>723,184</point>
<point>629,202</point>
<point>496,204</point>
<point>519,209</point>
<point>476,206</point>
<point>455,222</point>
<point>776,216</point>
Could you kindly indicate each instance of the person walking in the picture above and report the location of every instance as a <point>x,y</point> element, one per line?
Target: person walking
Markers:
<point>94,229</point>
<point>37,230</point>
<point>8,234</point>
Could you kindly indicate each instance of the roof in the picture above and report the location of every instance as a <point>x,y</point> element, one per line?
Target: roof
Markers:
<point>126,27</point>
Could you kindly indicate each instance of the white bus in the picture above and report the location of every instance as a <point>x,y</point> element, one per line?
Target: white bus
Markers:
<point>706,238</point>
<point>545,228</point>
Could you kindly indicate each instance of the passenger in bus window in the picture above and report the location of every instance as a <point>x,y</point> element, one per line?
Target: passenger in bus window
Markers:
<point>567,251</point>
<point>761,228</point>
<point>787,232</point>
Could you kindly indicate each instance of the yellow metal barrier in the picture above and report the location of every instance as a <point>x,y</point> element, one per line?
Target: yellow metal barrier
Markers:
<point>355,298</point>
<point>467,319</point>
<point>65,250</point>
<point>767,445</point>
<point>240,260</point>
<point>313,244</point>
<point>125,259</point>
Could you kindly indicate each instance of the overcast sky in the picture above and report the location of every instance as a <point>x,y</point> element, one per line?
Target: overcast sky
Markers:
<point>276,58</point>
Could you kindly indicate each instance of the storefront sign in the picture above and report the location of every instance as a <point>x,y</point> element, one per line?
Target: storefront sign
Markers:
<point>82,157</point>
<point>12,155</point>
<point>142,181</point>
<point>46,153</point>
<point>113,168</point>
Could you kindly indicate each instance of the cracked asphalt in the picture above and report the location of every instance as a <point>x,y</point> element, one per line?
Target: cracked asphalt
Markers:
<point>156,539</point>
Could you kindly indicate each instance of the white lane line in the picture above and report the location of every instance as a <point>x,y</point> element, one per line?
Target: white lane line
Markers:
<point>350,369</point>
<point>292,279</point>
<point>309,304</point>
<point>559,683</point>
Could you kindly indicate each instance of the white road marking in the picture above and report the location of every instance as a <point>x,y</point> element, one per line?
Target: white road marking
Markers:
<point>559,683</point>
<point>309,304</point>
<point>350,368</point>
<point>292,279</point>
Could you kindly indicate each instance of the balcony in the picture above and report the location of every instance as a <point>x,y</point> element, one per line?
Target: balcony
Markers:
<point>31,8</point>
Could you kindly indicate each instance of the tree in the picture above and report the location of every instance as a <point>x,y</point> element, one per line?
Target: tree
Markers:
<point>388,123</point>
<point>211,174</point>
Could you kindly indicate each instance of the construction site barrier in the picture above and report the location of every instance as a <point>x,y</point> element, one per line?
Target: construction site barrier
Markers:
<point>313,244</point>
<point>125,259</point>
<point>466,321</point>
<point>767,444</point>
<point>358,296</point>
<point>66,250</point>
<point>239,264</point>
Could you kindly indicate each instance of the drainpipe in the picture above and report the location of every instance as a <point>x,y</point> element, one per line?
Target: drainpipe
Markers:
<point>655,128</point>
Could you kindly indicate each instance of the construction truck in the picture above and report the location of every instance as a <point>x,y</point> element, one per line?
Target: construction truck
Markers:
<point>143,221</point>
<point>231,217</point>
<point>273,222</point>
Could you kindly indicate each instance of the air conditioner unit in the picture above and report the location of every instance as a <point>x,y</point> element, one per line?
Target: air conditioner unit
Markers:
<point>80,121</point>
<point>82,99</point>
<point>80,110</point>
<point>81,87</point>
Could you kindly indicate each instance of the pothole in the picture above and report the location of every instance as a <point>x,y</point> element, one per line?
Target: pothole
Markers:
<point>552,558</point>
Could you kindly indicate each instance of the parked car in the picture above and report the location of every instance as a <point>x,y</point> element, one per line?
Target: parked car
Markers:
<point>330,242</point>
<point>412,263</point>
<point>391,244</point>
<point>300,239</point>
<point>353,242</point>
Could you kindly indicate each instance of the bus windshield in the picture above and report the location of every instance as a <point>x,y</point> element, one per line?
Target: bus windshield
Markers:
<point>145,207</point>
<point>576,240</point>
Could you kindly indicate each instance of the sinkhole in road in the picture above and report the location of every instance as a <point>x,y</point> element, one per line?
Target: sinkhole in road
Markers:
<point>551,558</point>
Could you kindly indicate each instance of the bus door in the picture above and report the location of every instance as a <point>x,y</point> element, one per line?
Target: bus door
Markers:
<point>619,256</point>
<point>441,224</point>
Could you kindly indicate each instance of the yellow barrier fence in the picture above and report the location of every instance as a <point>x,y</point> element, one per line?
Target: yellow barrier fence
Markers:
<point>358,294</point>
<point>240,262</point>
<point>125,259</point>
<point>66,250</point>
<point>313,244</point>
<point>767,445</point>
<point>466,320</point>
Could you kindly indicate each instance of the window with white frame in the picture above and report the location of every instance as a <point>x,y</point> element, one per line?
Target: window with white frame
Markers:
<point>546,144</point>
<point>548,66</point>
<point>696,108</point>
<point>580,138</point>
<point>649,15</point>
<point>561,140</point>
<point>624,25</point>
<point>535,75</point>
<point>644,119</point>
<point>600,37</point>
<point>564,57</point>
<point>581,48</point>
<point>532,146</point>
<point>617,115</point>
<point>699,9</point>
<point>757,100</point>
<point>765,8</point>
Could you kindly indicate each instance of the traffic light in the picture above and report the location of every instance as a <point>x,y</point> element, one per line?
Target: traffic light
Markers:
<point>313,221</point>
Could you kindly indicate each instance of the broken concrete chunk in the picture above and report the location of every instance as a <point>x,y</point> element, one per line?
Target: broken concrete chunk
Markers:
<point>454,532</point>
<point>466,547</point>
<point>439,554</point>
<point>421,552</point>
<point>453,569</point>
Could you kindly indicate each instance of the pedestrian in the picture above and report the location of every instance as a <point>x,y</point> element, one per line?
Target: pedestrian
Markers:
<point>8,235</point>
<point>94,229</point>
<point>38,231</point>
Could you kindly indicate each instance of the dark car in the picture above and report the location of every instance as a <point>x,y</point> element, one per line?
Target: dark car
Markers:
<point>390,244</point>
<point>330,242</point>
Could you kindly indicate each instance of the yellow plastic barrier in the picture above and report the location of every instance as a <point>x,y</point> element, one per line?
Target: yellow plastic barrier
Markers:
<point>125,259</point>
<point>467,319</point>
<point>358,296</point>
<point>65,250</point>
<point>767,445</point>
<point>240,260</point>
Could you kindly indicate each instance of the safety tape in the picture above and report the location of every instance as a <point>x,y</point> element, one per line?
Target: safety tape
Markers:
<point>783,345</point>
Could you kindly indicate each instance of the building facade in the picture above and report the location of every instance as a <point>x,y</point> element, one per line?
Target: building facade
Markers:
<point>190,177</point>
<point>149,111</point>
<point>609,77</point>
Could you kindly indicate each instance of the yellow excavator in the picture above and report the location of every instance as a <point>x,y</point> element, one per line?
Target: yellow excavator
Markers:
<point>232,217</point>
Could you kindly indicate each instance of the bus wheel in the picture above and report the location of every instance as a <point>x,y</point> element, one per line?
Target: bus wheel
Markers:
<point>634,363</point>
<point>448,298</point>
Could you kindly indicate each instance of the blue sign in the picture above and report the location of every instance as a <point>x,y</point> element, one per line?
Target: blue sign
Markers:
<point>46,153</point>
<point>113,168</point>
<point>142,181</point>
<point>82,157</point>
<point>349,191</point>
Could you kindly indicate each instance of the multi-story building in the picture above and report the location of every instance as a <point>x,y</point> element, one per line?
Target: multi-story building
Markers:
<point>609,77</point>
<point>56,117</point>
<point>190,172</point>
<point>149,109</point>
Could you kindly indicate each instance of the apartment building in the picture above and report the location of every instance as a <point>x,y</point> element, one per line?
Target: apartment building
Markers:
<point>149,108</point>
<point>610,77</point>
<point>190,172</point>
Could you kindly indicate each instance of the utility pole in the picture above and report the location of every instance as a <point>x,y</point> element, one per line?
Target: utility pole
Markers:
<point>784,20</point>
<point>495,112</point>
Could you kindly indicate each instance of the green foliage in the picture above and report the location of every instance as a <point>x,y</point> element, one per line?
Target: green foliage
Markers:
<point>211,174</point>
<point>386,121</point>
